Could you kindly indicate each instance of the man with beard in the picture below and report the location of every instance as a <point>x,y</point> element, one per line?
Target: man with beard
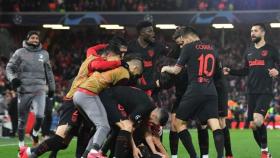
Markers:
<point>29,70</point>
<point>150,52</point>
<point>261,61</point>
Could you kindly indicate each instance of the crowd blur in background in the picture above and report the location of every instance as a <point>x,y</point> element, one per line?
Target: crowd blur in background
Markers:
<point>135,5</point>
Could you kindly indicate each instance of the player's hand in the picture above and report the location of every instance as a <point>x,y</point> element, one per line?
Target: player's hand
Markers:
<point>226,70</point>
<point>137,153</point>
<point>273,72</point>
<point>124,64</point>
<point>157,83</point>
<point>164,69</point>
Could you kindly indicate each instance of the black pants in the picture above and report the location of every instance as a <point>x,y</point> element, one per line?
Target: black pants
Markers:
<point>12,110</point>
<point>46,125</point>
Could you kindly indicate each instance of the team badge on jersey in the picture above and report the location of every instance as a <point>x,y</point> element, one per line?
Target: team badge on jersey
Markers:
<point>151,53</point>
<point>264,53</point>
<point>41,58</point>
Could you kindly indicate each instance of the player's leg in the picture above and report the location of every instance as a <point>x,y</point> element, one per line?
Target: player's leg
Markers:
<point>203,138</point>
<point>251,107</point>
<point>218,136</point>
<point>184,112</point>
<point>24,103</point>
<point>111,141</point>
<point>223,113</point>
<point>173,137</point>
<point>227,140</point>
<point>57,142</point>
<point>123,141</point>
<point>84,134</point>
<point>46,125</point>
<point>54,143</point>
<point>93,108</point>
<point>210,113</point>
<point>260,111</point>
<point>38,103</point>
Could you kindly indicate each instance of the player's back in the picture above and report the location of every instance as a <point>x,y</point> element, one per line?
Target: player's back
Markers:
<point>201,60</point>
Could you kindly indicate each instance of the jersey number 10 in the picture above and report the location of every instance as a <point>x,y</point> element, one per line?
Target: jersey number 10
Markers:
<point>204,69</point>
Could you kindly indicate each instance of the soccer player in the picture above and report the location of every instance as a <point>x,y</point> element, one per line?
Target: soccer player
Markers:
<point>200,100</point>
<point>130,107</point>
<point>261,63</point>
<point>88,102</point>
<point>69,117</point>
<point>180,83</point>
<point>150,52</point>
<point>29,70</point>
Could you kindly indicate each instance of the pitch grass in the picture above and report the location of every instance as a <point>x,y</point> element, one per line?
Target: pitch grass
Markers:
<point>242,144</point>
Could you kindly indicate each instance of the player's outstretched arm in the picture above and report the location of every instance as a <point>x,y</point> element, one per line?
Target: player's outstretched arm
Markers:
<point>176,69</point>
<point>238,72</point>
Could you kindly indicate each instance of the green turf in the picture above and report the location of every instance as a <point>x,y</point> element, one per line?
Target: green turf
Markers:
<point>242,143</point>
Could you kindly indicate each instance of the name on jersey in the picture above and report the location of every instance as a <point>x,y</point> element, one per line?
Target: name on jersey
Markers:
<point>204,46</point>
<point>256,62</point>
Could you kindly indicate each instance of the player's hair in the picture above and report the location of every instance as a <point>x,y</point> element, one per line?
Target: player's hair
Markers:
<point>184,30</point>
<point>163,116</point>
<point>261,25</point>
<point>32,32</point>
<point>136,59</point>
<point>143,24</point>
<point>177,33</point>
<point>116,42</point>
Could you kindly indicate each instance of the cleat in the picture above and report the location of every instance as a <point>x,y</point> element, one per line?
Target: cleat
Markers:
<point>229,156</point>
<point>23,152</point>
<point>95,155</point>
<point>266,154</point>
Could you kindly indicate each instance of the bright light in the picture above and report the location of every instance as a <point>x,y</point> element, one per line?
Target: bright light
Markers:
<point>223,26</point>
<point>51,25</point>
<point>111,27</point>
<point>275,25</point>
<point>166,26</point>
<point>61,28</point>
<point>56,26</point>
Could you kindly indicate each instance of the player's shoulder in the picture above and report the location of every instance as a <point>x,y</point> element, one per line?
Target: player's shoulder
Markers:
<point>43,51</point>
<point>269,46</point>
<point>132,43</point>
<point>20,50</point>
<point>250,49</point>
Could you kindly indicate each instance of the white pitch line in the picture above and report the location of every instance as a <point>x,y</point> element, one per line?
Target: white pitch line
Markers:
<point>15,144</point>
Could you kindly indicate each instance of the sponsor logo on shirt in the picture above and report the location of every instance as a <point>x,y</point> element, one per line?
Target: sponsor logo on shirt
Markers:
<point>148,63</point>
<point>256,62</point>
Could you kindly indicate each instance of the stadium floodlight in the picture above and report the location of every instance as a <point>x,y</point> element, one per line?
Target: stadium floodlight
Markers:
<point>61,28</point>
<point>275,25</point>
<point>223,26</point>
<point>166,26</point>
<point>111,26</point>
<point>51,25</point>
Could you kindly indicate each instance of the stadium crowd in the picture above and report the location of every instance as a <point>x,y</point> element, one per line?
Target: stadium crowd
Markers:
<point>134,5</point>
